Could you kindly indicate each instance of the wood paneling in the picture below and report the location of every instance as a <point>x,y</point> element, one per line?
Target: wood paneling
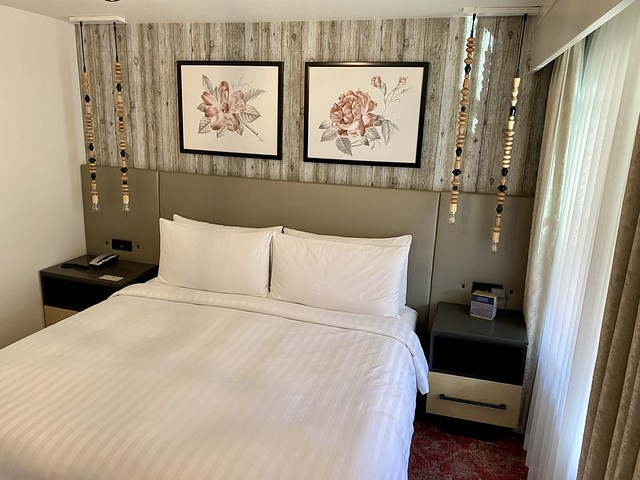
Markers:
<point>148,53</point>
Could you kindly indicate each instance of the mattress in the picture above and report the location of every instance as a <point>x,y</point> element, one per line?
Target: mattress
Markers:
<point>161,382</point>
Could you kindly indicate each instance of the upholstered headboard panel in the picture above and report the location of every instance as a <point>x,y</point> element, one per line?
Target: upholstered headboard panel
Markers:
<point>444,260</point>
<point>463,249</point>
<point>319,208</point>
<point>140,225</point>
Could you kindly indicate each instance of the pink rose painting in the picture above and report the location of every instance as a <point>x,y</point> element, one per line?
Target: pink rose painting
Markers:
<point>357,120</point>
<point>227,109</point>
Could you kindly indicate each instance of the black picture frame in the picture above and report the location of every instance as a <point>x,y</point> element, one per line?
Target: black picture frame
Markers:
<point>230,108</point>
<point>354,117</point>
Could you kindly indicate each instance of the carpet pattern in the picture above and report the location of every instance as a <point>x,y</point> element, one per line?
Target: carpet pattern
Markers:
<point>449,449</point>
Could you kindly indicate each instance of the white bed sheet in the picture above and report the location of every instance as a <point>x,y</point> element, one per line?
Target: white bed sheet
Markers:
<point>409,317</point>
<point>162,382</point>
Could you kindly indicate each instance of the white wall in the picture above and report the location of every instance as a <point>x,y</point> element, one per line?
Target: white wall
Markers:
<point>41,146</point>
<point>565,22</point>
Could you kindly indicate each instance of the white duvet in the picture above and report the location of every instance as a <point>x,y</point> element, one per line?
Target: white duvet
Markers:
<point>160,382</point>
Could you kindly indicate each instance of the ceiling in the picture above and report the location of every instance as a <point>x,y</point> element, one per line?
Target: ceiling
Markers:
<point>214,11</point>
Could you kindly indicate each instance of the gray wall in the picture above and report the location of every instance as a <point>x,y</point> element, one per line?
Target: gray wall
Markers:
<point>148,53</point>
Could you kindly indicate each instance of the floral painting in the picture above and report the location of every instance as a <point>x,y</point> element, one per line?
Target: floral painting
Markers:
<point>231,108</point>
<point>365,113</point>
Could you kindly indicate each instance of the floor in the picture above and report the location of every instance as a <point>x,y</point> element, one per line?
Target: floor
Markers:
<point>449,449</point>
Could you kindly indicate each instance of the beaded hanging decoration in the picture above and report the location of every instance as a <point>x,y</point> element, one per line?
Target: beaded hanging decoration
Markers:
<point>122,145</point>
<point>88,124</point>
<point>462,123</point>
<point>509,133</point>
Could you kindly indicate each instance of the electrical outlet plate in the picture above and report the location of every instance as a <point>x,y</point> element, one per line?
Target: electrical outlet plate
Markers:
<point>124,245</point>
<point>485,287</point>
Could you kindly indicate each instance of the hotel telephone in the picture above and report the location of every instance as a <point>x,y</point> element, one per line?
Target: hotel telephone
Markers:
<point>101,261</point>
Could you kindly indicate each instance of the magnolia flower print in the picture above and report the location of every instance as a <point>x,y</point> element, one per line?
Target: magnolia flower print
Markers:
<point>226,109</point>
<point>355,119</point>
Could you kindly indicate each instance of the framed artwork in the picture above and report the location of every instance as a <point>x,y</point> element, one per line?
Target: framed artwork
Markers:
<point>230,108</point>
<point>365,113</point>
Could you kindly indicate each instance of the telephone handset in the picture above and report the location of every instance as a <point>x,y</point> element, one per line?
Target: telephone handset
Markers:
<point>104,260</point>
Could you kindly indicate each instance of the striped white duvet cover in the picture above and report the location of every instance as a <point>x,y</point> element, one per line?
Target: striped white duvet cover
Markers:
<point>161,382</point>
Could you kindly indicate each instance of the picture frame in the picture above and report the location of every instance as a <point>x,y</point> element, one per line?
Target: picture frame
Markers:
<point>365,113</point>
<point>230,108</point>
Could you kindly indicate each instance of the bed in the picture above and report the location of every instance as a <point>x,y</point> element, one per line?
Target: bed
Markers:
<point>261,370</point>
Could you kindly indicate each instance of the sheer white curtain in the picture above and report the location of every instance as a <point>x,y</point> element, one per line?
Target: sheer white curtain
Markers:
<point>574,252</point>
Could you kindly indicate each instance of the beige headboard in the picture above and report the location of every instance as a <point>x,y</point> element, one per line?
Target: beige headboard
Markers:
<point>319,208</point>
<point>444,259</point>
<point>140,225</point>
<point>463,249</point>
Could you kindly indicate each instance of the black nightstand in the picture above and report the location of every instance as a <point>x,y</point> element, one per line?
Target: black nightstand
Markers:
<point>476,365</point>
<point>66,291</point>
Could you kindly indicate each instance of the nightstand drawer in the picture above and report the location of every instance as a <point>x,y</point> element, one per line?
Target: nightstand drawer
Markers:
<point>474,399</point>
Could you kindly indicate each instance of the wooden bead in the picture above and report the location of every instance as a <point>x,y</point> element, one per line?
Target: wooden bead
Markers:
<point>515,91</point>
<point>509,133</point>
<point>89,138</point>
<point>462,123</point>
<point>121,133</point>
<point>460,137</point>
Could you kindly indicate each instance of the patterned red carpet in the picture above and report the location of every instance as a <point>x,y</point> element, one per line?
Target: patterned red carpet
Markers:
<point>447,449</point>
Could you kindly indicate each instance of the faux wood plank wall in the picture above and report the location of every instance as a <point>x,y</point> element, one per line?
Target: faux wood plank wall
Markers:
<point>148,53</point>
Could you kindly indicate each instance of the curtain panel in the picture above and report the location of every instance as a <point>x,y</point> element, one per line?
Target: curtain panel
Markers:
<point>611,445</point>
<point>577,217</point>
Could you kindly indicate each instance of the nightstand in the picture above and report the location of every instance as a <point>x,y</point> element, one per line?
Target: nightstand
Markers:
<point>66,291</point>
<point>476,365</point>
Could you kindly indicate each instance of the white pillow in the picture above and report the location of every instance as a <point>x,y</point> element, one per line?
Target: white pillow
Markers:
<point>338,276</point>
<point>226,261</point>
<point>401,241</point>
<point>180,219</point>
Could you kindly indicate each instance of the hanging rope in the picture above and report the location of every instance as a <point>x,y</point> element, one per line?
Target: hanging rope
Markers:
<point>462,123</point>
<point>509,133</point>
<point>122,145</point>
<point>88,123</point>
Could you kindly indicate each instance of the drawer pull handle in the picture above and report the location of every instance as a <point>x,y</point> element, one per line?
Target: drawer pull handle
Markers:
<point>501,406</point>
